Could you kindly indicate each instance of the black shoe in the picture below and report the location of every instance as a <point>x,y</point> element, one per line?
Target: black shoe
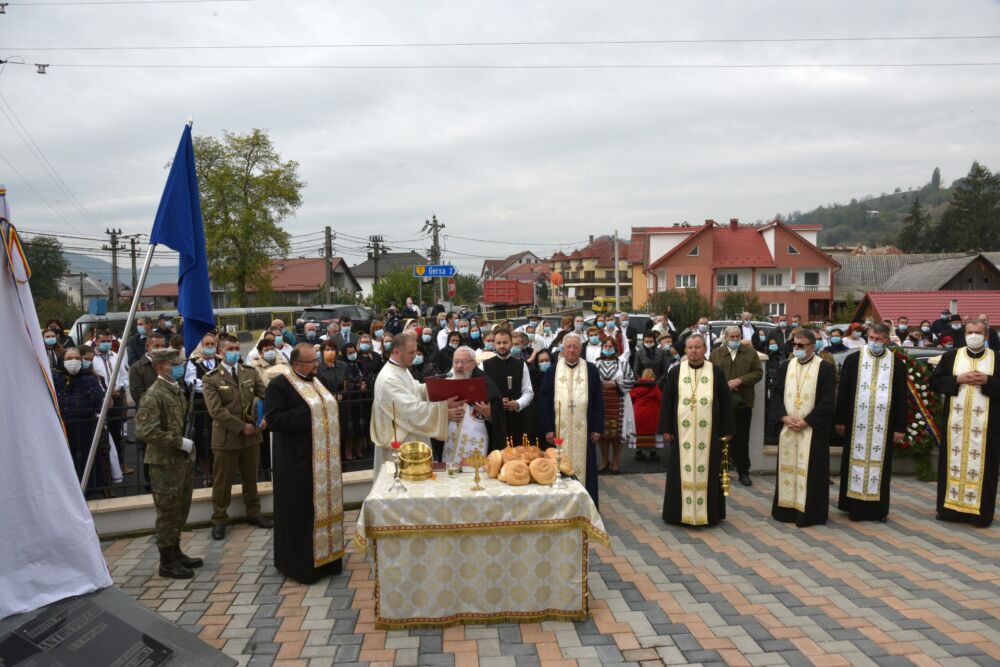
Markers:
<point>640,455</point>
<point>186,560</point>
<point>170,567</point>
<point>260,522</point>
<point>653,456</point>
<point>604,471</point>
<point>218,531</point>
<point>745,479</point>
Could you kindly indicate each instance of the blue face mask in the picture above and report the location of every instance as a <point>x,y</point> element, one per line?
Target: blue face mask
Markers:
<point>799,354</point>
<point>835,340</point>
<point>50,342</point>
<point>608,353</point>
<point>425,337</point>
<point>773,347</point>
<point>177,373</point>
<point>387,345</point>
<point>464,330</point>
<point>353,356</point>
<point>379,333</point>
<point>544,366</point>
<point>516,351</point>
<point>925,329</point>
<point>104,347</point>
<point>87,363</point>
<point>270,355</point>
<point>609,325</point>
<point>902,327</point>
<point>141,330</point>
<point>856,333</point>
<point>208,351</point>
<point>733,344</point>
<point>819,344</point>
<point>475,335</point>
<point>762,336</point>
<point>595,340</point>
<point>232,357</point>
<point>876,348</point>
<point>364,347</point>
<point>490,346</point>
<point>310,335</point>
<point>168,324</point>
<point>531,336</point>
<point>419,359</point>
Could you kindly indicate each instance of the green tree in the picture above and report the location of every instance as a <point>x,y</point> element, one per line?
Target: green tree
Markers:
<point>916,228</point>
<point>936,179</point>
<point>48,267</point>
<point>394,286</point>
<point>468,289</point>
<point>543,292</point>
<point>247,190</point>
<point>732,304</point>
<point>686,306</point>
<point>972,220</point>
<point>846,312</point>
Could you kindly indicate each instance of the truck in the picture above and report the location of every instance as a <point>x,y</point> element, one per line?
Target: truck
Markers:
<point>502,292</point>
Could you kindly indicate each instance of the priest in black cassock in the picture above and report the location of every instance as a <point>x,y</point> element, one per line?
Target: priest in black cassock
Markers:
<point>803,400</point>
<point>696,412</point>
<point>871,415</point>
<point>303,418</point>
<point>571,407</point>
<point>969,457</point>
<point>510,375</point>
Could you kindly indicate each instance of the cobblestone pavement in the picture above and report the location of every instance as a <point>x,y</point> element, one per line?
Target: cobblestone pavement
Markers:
<point>749,592</point>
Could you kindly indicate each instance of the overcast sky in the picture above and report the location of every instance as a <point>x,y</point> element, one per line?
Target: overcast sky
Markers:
<point>539,156</point>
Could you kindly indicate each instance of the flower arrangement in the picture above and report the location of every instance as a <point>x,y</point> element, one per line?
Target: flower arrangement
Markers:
<point>922,433</point>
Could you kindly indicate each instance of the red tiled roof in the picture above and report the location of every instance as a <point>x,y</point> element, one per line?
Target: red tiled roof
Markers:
<point>743,246</point>
<point>807,228</point>
<point>530,271</point>
<point>159,289</point>
<point>602,249</point>
<point>300,274</point>
<point>698,232</point>
<point>493,265</point>
<point>928,305</point>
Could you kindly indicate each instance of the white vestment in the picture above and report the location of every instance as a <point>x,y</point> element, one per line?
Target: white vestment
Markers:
<point>571,398</point>
<point>417,419</point>
<point>465,437</point>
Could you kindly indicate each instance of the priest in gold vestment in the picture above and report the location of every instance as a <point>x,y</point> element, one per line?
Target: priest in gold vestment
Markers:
<point>968,457</point>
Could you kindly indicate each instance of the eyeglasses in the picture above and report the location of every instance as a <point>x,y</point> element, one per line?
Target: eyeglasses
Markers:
<point>799,346</point>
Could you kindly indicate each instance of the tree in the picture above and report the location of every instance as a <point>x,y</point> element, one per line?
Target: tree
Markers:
<point>246,192</point>
<point>542,292</point>
<point>936,179</point>
<point>48,267</point>
<point>686,306</point>
<point>467,289</point>
<point>732,304</point>
<point>972,220</point>
<point>846,312</point>
<point>916,228</point>
<point>394,286</point>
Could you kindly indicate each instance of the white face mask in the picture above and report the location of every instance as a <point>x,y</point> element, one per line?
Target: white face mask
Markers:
<point>975,341</point>
<point>72,366</point>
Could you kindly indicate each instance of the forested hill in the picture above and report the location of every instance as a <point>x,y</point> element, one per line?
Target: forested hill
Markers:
<point>874,220</point>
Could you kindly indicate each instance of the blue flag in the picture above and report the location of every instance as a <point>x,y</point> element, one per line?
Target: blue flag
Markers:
<point>179,226</point>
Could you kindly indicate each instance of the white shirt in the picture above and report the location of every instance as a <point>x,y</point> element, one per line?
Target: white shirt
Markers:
<point>746,331</point>
<point>442,340</point>
<point>104,364</point>
<point>527,393</point>
<point>191,374</point>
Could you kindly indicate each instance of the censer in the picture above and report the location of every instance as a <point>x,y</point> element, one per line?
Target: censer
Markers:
<point>724,475</point>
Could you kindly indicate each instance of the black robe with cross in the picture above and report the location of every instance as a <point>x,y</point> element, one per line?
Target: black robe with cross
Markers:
<point>499,370</point>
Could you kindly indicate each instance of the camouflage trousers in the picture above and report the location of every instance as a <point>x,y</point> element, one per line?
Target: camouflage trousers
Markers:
<point>172,488</point>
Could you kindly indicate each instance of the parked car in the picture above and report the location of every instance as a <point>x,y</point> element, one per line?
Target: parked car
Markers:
<point>361,317</point>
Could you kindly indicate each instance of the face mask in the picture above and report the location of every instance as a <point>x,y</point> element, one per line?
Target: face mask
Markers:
<point>595,340</point>
<point>856,333</point>
<point>782,325</point>
<point>956,326</point>
<point>50,342</point>
<point>531,336</point>
<point>353,356</point>
<point>279,343</point>
<point>902,327</point>
<point>141,330</point>
<point>73,366</point>
<point>364,347</point>
<point>177,373</point>
<point>516,351</point>
<point>453,345</point>
<point>607,353</point>
<point>168,324</point>
<point>925,329</point>
<point>835,340</point>
<point>475,335</point>
<point>379,333</point>
<point>773,347</point>
<point>945,316</point>
<point>329,357</point>
<point>649,346</point>
<point>624,324</point>
<point>208,351</point>
<point>799,354</point>
<point>232,357</point>
<point>762,336</point>
<point>490,346</point>
<point>104,347</point>
<point>441,324</point>
<point>270,355</point>
<point>702,328</point>
<point>796,323</point>
<point>876,348</point>
<point>387,345</point>
<point>733,344</point>
<point>310,335</point>
<point>419,359</point>
<point>547,329</point>
<point>975,341</point>
<point>578,326</point>
<point>87,363</point>
<point>463,330</point>
<point>949,346</point>
<point>868,323</point>
<point>425,337</point>
<point>609,325</point>
<point>544,366</point>
<point>819,344</point>
<point>473,323</point>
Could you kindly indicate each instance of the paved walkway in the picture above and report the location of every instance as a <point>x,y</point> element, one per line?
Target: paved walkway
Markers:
<point>751,591</point>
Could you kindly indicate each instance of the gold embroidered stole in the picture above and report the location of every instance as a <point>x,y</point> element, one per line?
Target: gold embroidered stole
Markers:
<point>694,432</point>
<point>793,448</point>
<point>968,416</point>
<point>870,430</point>
<point>571,410</point>
<point>328,488</point>
<point>467,436</point>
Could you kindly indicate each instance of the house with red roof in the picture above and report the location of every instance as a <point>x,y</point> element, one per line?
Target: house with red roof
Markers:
<point>928,305</point>
<point>498,268</point>
<point>589,272</point>
<point>782,263</point>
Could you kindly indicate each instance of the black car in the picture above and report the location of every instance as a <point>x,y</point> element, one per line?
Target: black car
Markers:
<point>361,317</point>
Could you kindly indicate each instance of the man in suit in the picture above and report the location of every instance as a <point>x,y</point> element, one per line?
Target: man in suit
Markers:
<point>743,370</point>
<point>229,391</point>
<point>346,335</point>
<point>137,347</point>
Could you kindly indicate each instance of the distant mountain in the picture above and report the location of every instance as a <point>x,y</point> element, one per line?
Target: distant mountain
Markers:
<point>872,220</point>
<point>101,269</point>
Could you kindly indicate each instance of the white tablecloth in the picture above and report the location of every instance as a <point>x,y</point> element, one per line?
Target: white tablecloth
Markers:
<point>444,554</point>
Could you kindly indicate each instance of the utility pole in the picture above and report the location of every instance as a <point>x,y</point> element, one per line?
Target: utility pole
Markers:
<point>328,254</point>
<point>618,295</point>
<point>376,246</point>
<point>133,250</point>
<point>81,275</point>
<point>435,227</point>
<point>115,246</point>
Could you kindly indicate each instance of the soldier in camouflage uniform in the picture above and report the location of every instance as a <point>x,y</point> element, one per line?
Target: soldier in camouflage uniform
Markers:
<point>170,457</point>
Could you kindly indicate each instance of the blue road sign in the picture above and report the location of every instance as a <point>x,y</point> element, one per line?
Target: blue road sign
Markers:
<point>434,270</point>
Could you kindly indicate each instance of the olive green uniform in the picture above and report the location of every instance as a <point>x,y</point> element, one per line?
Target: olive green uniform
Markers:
<point>160,424</point>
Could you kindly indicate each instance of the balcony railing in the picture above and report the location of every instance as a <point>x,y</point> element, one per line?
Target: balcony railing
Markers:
<point>731,288</point>
<point>773,288</point>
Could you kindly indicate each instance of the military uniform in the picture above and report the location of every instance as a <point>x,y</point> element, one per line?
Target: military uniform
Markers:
<point>160,425</point>
<point>230,394</point>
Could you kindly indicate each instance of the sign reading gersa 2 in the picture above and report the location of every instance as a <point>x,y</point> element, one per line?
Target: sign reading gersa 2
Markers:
<point>434,271</point>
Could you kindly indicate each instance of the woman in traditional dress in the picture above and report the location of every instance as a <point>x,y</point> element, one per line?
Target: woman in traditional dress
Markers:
<point>619,419</point>
<point>646,398</point>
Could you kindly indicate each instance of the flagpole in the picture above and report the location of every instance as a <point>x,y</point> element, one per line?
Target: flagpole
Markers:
<point>105,406</point>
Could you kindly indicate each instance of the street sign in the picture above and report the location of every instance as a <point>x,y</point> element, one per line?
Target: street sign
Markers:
<point>434,270</point>
<point>451,287</point>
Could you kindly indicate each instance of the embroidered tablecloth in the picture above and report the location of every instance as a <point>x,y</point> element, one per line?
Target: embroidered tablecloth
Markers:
<point>444,554</point>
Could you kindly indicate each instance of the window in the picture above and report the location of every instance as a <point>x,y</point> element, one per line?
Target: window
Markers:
<point>775,309</point>
<point>588,276</point>
<point>727,279</point>
<point>770,280</point>
<point>695,251</point>
<point>792,250</point>
<point>687,280</point>
<point>810,278</point>
<point>609,275</point>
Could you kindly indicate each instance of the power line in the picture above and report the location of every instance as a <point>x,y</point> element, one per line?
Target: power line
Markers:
<point>517,243</point>
<point>123,2</point>
<point>32,188</point>
<point>396,45</point>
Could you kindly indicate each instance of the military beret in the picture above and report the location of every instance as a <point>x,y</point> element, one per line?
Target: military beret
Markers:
<point>167,354</point>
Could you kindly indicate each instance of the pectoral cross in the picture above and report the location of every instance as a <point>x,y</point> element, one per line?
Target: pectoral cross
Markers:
<point>798,402</point>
